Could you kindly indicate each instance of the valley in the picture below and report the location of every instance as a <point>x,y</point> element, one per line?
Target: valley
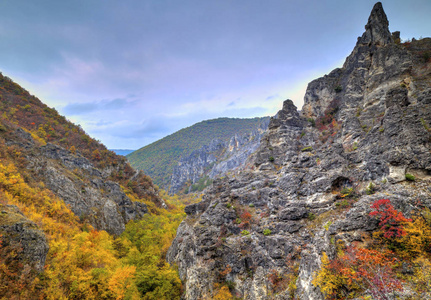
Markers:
<point>332,201</point>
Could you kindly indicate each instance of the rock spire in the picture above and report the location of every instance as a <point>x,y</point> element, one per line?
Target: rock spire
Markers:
<point>377,29</point>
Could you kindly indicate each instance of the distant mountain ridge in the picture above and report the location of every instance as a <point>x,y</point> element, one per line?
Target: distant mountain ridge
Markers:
<point>122,152</point>
<point>196,171</point>
<point>159,158</point>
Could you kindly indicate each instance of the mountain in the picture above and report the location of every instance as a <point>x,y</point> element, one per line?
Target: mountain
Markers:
<point>76,220</point>
<point>336,203</point>
<point>159,159</point>
<point>196,171</point>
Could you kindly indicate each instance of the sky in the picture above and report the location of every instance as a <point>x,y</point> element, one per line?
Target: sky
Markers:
<point>133,71</point>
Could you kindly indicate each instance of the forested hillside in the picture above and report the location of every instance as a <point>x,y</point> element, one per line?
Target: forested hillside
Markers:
<point>159,158</point>
<point>61,192</point>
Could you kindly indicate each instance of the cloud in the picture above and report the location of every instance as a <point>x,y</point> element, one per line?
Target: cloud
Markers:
<point>248,112</point>
<point>79,108</point>
<point>103,105</point>
<point>272,97</point>
<point>155,67</point>
<point>152,128</point>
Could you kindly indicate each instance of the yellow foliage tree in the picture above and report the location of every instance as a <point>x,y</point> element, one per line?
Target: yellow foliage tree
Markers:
<point>328,282</point>
<point>121,281</point>
<point>222,293</point>
<point>72,149</point>
<point>422,277</point>
<point>417,239</point>
<point>79,263</point>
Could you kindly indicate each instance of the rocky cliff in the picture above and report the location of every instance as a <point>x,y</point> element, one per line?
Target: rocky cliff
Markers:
<point>23,236</point>
<point>23,249</point>
<point>88,191</point>
<point>316,174</point>
<point>216,159</point>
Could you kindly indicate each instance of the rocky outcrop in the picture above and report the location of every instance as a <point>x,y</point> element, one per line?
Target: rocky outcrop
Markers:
<point>194,166</point>
<point>367,122</point>
<point>216,159</point>
<point>23,245</point>
<point>86,189</point>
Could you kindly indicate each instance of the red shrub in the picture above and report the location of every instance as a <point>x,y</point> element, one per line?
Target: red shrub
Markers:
<point>246,219</point>
<point>391,220</point>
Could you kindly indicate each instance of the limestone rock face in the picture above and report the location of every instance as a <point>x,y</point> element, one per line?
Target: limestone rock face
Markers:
<point>217,158</point>
<point>367,122</point>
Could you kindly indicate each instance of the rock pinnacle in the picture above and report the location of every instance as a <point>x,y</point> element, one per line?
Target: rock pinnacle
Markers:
<point>377,29</point>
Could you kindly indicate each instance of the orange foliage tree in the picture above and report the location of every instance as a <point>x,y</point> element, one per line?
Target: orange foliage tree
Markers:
<point>357,270</point>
